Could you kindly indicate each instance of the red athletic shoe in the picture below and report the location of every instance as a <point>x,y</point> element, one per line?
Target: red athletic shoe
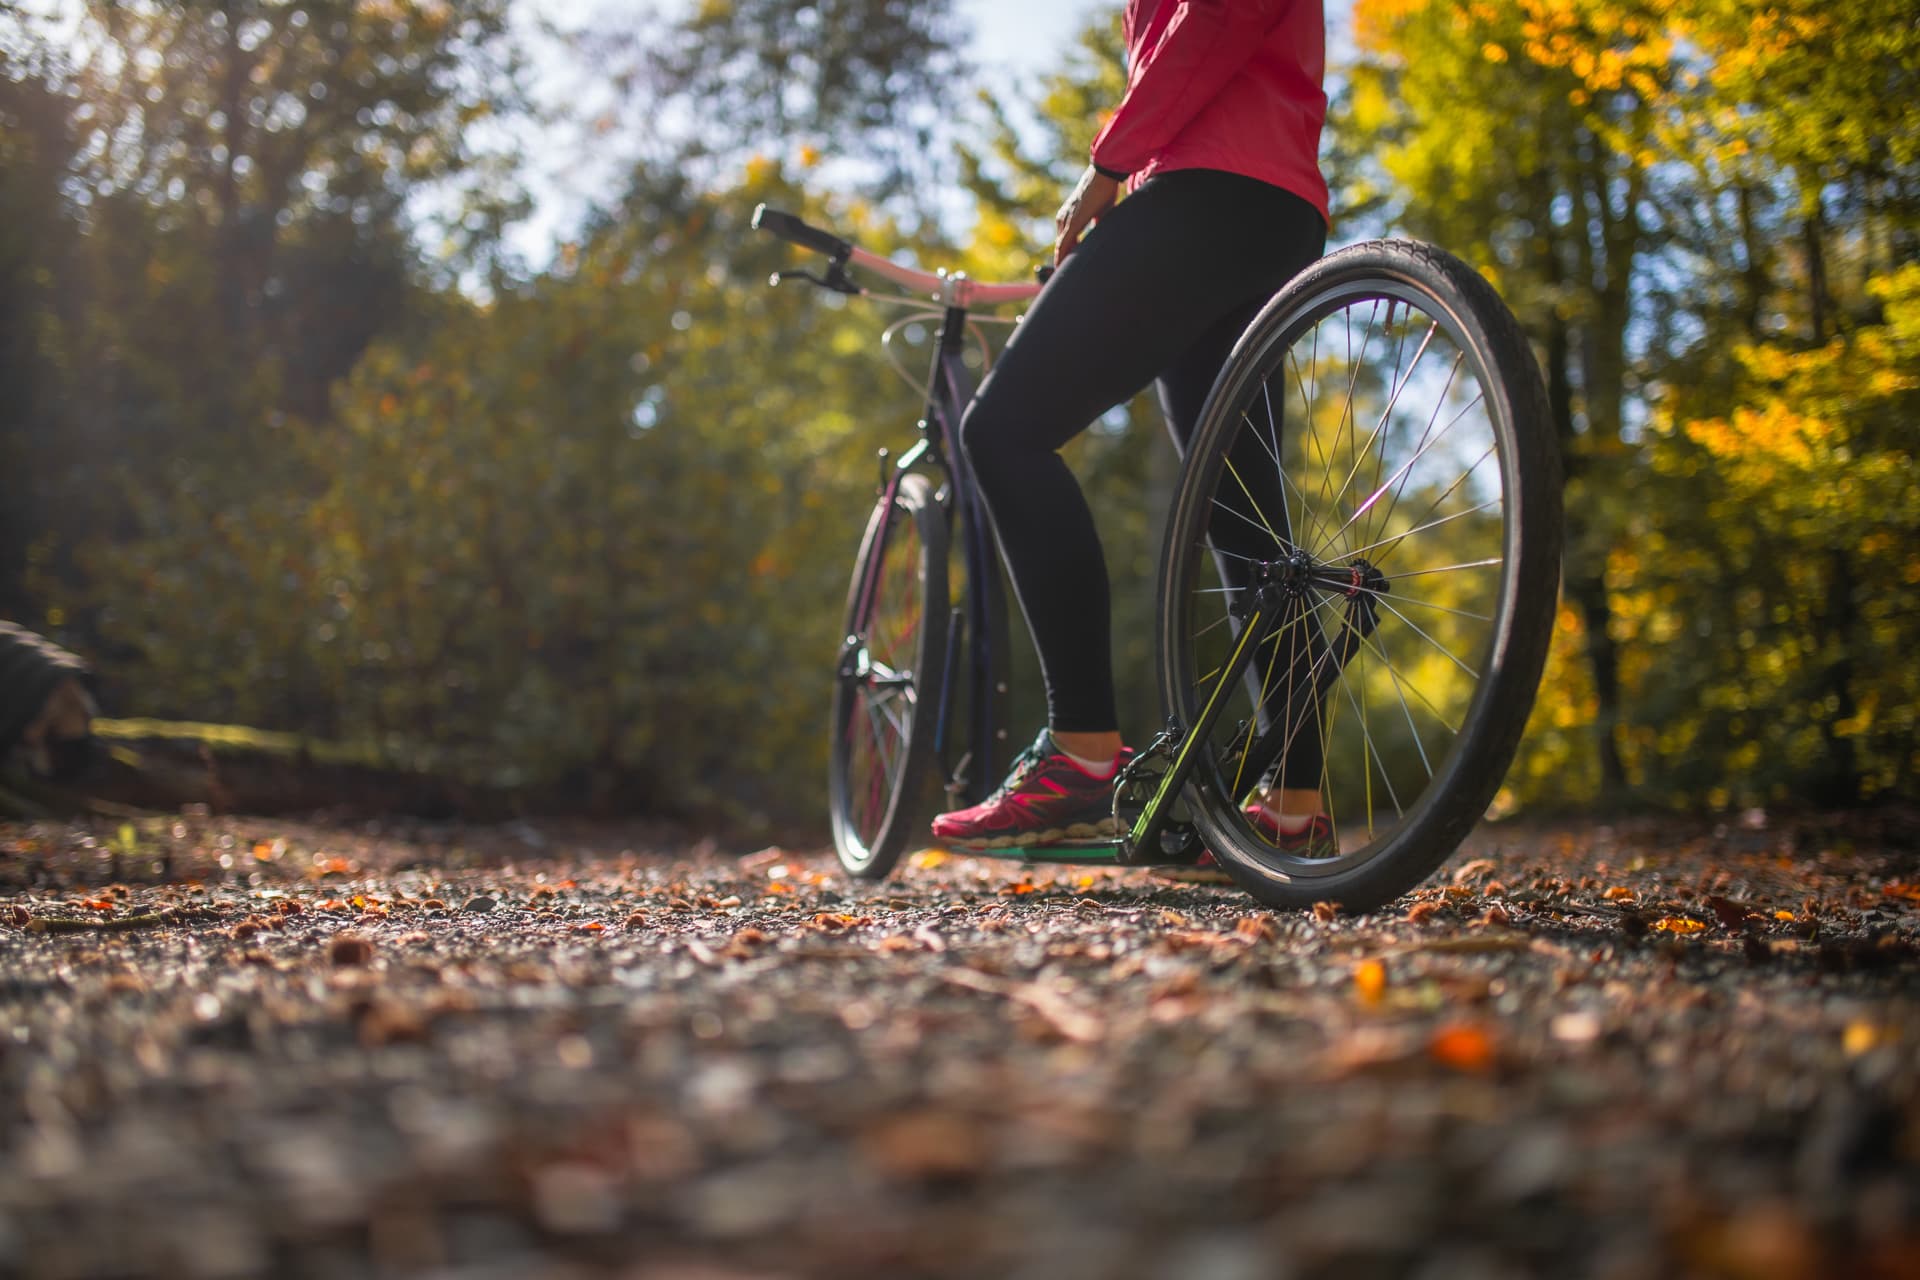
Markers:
<point>1315,840</point>
<point>1046,799</point>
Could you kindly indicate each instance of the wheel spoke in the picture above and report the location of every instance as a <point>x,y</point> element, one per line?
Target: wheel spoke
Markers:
<point>1404,468</point>
<point>1450,655</point>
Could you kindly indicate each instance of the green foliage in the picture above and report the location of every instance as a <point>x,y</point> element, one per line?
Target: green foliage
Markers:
<point>591,528</point>
<point>1803,504</point>
<point>1685,200</point>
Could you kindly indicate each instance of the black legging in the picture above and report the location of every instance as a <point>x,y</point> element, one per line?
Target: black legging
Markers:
<point>1163,286</point>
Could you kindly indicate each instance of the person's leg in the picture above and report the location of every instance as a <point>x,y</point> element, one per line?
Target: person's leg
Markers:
<point>1255,502</point>
<point>1153,278</point>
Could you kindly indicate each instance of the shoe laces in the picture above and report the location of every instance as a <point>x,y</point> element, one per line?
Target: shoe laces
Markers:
<point>1031,758</point>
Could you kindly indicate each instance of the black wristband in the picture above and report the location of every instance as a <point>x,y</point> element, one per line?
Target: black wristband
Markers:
<point>1105,172</point>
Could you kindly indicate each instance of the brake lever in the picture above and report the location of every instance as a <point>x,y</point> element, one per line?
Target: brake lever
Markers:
<point>835,280</point>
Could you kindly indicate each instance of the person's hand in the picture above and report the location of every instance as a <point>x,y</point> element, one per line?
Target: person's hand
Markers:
<point>1092,196</point>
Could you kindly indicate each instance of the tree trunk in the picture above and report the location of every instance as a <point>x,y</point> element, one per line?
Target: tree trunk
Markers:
<point>1816,273</point>
<point>1602,387</point>
<point>1755,280</point>
<point>1838,783</point>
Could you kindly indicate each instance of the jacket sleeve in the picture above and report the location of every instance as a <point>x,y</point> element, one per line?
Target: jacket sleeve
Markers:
<point>1204,43</point>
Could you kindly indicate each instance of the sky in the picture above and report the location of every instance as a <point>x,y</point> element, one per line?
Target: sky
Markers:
<point>1025,35</point>
<point>1014,41</point>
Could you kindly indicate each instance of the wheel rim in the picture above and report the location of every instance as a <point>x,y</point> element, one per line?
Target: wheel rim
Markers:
<point>879,687</point>
<point>1377,437</point>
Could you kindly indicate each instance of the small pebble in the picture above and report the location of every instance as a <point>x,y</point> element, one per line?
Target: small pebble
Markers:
<point>481,904</point>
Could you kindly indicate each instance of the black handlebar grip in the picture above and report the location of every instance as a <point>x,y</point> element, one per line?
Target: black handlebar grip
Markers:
<point>790,228</point>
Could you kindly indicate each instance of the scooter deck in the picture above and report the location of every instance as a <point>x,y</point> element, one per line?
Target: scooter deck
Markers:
<point>1082,852</point>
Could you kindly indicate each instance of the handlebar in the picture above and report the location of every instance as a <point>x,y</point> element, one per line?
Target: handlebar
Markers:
<point>952,290</point>
<point>792,229</point>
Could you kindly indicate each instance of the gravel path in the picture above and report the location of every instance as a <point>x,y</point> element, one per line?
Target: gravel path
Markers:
<point>238,1047</point>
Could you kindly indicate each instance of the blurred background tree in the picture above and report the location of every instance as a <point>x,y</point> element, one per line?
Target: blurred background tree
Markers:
<point>308,448</point>
<point>1685,200</point>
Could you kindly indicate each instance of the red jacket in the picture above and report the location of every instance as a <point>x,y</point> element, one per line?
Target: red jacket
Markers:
<point>1222,84</point>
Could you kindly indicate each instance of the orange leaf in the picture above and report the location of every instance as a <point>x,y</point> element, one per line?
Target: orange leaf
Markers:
<point>1256,929</point>
<point>1370,981</point>
<point>1618,892</point>
<point>1862,1036</point>
<point>1900,889</point>
<point>1464,1046</point>
<point>1678,924</point>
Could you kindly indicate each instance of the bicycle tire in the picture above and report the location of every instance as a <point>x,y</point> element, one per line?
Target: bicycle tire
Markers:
<point>889,671</point>
<point>1410,690</point>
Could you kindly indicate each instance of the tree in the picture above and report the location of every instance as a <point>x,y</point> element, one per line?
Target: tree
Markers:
<point>1675,194</point>
<point>1513,162</point>
<point>35,148</point>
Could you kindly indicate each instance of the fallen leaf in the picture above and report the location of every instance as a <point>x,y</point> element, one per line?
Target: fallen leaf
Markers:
<point>1468,871</point>
<point>1370,981</point>
<point>1372,1048</point>
<point>383,1022</point>
<point>1731,914</point>
<point>1678,924</point>
<point>929,859</point>
<point>1464,1046</point>
<point>1325,912</point>
<point>833,922</point>
<point>349,949</point>
<point>1256,929</point>
<point>927,1146</point>
<point>1862,1036</point>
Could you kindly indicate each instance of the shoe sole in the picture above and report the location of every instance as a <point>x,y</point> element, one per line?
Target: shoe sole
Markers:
<point>1101,830</point>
